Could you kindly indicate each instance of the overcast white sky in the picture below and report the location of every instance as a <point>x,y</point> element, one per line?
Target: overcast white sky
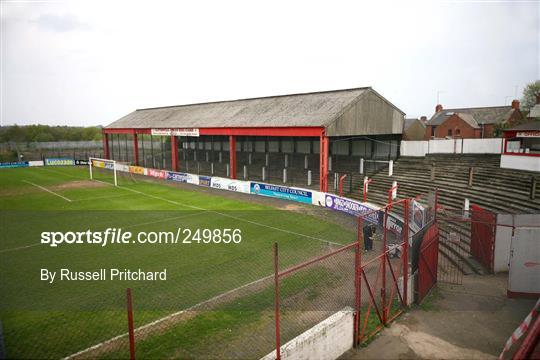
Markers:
<point>91,62</point>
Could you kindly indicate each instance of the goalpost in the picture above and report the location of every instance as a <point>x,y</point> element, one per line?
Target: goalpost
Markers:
<point>102,164</point>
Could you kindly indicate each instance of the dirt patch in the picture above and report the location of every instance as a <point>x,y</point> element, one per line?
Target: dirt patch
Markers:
<point>469,321</point>
<point>79,184</point>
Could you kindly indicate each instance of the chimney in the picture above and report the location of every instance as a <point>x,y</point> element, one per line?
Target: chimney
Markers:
<point>515,104</point>
<point>423,119</point>
<point>438,108</point>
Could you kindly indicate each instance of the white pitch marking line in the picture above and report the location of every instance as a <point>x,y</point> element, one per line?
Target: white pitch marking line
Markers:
<point>232,217</point>
<point>47,190</point>
<point>155,322</point>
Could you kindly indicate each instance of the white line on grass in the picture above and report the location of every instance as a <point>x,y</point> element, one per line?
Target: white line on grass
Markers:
<point>160,320</point>
<point>229,216</point>
<point>47,190</point>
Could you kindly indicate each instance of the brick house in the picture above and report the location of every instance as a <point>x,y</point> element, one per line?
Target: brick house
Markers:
<point>476,123</point>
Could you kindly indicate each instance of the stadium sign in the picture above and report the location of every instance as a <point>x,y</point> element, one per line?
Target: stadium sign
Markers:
<point>13,164</point>
<point>81,162</point>
<point>352,207</point>
<point>528,134</point>
<point>175,132</point>
<point>160,174</point>
<point>281,192</point>
<point>229,184</point>
<point>183,177</point>
<point>135,169</point>
<point>59,162</point>
<point>205,180</point>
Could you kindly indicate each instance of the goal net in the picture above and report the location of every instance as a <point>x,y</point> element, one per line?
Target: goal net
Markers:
<point>103,170</point>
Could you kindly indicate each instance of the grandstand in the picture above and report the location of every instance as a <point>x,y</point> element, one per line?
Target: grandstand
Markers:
<point>295,139</point>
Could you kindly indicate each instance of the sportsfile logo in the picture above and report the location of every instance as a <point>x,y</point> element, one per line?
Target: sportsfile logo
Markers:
<point>119,236</point>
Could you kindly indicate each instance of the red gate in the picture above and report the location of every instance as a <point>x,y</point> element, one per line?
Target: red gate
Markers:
<point>428,261</point>
<point>483,224</point>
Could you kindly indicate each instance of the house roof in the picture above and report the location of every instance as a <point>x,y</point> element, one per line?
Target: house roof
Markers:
<point>486,115</point>
<point>533,125</point>
<point>469,119</point>
<point>535,111</point>
<point>316,109</point>
<point>408,122</point>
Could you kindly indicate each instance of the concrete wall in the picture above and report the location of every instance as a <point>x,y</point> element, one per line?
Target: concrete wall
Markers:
<point>444,146</point>
<point>451,146</point>
<point>370,115</point>
<point>521,162</point>
<point>482,146</point>
<point>414,148</point>
<point>327,340</point>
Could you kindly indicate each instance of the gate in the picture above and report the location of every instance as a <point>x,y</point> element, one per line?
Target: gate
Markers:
<point>483,224</point>
<point>428,261</point>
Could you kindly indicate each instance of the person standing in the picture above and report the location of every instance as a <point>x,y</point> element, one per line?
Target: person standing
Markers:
<point>368,240</point>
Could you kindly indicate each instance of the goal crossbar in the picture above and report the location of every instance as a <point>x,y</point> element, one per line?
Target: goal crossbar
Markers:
<point>104,161</point>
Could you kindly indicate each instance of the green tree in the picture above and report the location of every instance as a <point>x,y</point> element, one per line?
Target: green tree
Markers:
<point>530,92</point>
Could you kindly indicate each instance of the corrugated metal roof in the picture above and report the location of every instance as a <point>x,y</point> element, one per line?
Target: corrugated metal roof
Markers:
<point>308,109</point>
<point>486,115</point>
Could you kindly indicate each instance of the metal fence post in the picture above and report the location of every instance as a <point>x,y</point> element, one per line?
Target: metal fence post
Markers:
<point>309,177</point>
<point>406,252</point>
<point>276,300</point>
<point>130,324</point>
<point>383,260</point>
<point>357,280</point>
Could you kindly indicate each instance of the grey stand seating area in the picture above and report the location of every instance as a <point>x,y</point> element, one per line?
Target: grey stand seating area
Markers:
<point>492,188</point>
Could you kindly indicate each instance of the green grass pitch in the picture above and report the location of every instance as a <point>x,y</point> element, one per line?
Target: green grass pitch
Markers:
<point>43,320</point>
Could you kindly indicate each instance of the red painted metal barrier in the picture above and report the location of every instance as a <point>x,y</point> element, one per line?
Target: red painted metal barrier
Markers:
<point>131,329</point>
<point>483,225</point>
<point>428,261</point>
<point>341,184</point>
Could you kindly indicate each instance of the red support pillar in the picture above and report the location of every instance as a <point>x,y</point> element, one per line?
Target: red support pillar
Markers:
<point>106,154</point>
<point>232,156</point>
<point>135,149</point>
<point>323,163</point>
<point>174,153</point>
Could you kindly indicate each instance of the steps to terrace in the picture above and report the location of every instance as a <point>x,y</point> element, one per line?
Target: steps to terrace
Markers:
<point>495,189</point>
